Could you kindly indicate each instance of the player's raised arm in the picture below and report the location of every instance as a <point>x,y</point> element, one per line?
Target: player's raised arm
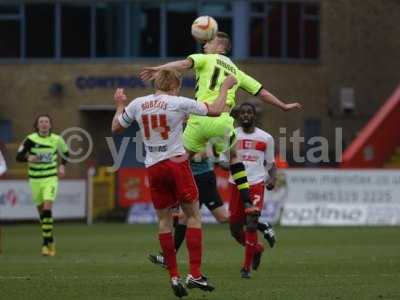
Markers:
<point>218,106</point>
<point>120,114</point>
<point>255,88</point>
<point>269,98</point>
<point>148,73</point>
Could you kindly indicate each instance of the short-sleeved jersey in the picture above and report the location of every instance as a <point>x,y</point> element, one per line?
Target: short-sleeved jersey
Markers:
<point>255,149</point>
<point>160,118</point>
<point>47,149</point>
<point>211,70</point>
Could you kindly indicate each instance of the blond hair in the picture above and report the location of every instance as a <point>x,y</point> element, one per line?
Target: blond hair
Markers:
<point>167,80</point>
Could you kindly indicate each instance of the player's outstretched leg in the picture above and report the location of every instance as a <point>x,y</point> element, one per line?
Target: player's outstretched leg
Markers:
<point>195,278</point>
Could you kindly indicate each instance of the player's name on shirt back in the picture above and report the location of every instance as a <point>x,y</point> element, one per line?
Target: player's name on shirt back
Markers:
<point>154,103</point>
<point>230,67</point>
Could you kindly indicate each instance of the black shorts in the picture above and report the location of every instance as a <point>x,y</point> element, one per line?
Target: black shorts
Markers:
<point>208,193</point>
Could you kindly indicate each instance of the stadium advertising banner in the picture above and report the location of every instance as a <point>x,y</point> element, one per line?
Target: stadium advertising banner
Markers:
<point>341,197</point>
<point>133,187</point>
<point>16,200</point>
<point>134,193</point>
<point>302,197</point>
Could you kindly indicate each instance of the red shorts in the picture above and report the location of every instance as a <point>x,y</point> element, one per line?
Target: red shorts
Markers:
<point>171,183</point>
<point>236,207</point>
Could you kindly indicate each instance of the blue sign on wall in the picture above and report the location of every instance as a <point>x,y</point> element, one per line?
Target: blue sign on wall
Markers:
<point>5,131</point>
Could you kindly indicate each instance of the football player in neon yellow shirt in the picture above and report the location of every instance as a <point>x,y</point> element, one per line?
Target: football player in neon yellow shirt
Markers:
<point>41,150</point>
<point>211,68</point>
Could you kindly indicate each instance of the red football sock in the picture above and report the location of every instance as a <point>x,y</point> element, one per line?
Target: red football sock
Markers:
<point>250,248</point>
<point>194,245</point>
<point>168,248</point>
<point>259,247</point>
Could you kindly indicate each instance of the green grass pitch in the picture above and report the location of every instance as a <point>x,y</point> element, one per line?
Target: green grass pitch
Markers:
<point>109,261</point>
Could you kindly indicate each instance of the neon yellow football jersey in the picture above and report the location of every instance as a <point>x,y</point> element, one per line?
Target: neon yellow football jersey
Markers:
<point>211,70</point>
<point>46,148</point>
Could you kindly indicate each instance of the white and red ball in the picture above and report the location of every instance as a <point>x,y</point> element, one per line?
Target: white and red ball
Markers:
<point>204,28</point>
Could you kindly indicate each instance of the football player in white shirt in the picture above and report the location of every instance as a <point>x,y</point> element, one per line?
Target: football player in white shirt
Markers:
<point>160,117</point>
<point>255,148</point>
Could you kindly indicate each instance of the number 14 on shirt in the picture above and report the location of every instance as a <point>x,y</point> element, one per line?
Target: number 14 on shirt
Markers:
<point>158,123</point>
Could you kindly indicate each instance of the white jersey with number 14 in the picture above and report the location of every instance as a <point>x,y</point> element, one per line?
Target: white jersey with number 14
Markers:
<point>160,118</point>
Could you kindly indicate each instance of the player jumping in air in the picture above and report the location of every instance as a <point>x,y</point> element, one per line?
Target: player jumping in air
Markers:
<point>256,149</point>
<point>160,117</point>
<point>41,149</point>
<point>211,68</point>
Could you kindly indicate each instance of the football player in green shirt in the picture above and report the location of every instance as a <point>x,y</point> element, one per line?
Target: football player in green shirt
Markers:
<point>211,68</point>
<point>41,150</point>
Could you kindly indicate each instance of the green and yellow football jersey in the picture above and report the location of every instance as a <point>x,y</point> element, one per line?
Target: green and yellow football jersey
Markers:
<point>46,148</point>
<point>211,70</point>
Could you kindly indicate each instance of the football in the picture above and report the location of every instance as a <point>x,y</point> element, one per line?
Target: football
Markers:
<point>204,28</point>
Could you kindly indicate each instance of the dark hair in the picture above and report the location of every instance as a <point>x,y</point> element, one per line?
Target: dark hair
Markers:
<point>225,39</point>
<point>253,107</point>
<point>35,124</point>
